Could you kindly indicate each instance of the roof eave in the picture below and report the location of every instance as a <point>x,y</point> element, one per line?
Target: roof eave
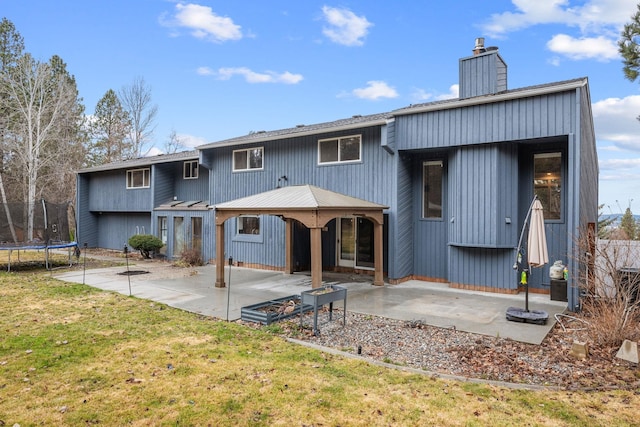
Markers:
<point>488,99</point>
<point>266,138</point>
<point>141,162</point>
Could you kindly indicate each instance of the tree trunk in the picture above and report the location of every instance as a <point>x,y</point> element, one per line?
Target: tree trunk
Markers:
<point>7,211</point>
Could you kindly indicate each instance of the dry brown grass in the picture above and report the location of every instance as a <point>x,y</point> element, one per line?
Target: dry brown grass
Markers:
<point>610,297</point>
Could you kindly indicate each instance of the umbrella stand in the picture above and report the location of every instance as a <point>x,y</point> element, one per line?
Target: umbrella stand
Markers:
<point>516,314</point>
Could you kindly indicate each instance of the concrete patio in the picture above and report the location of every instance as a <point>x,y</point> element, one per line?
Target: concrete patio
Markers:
<point>433,303</point>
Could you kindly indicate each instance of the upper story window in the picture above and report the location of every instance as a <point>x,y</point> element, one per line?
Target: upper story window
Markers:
<point>547,183</point>
<point>190,169</point>
<point>432,189</point>
<point>339,150</point>
<point>248,159</point>
<point>138,178</point>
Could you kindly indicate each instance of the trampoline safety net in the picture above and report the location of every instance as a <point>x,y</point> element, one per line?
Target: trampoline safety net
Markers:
<point>50,224</point>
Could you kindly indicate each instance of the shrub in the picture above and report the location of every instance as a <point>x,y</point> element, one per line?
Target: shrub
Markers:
<point>191,258</point>
<point>145,243</point>
<point>610,297</point>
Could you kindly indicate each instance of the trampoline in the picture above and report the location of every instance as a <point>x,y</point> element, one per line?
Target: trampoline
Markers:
<point>48,230</point>
<point>71,246</point>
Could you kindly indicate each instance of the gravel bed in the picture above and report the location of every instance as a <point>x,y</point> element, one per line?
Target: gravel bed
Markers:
<point>448,351</point>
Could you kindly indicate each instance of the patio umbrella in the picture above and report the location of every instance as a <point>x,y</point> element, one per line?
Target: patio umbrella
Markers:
<point>537,255</point>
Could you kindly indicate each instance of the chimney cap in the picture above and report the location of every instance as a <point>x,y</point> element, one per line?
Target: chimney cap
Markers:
<point>479,48</point>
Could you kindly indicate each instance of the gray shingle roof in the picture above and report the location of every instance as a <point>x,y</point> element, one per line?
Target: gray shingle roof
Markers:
<point>144,161</point>
<point>353,122</point>
<point>350,123</point>
<point>523,92</point>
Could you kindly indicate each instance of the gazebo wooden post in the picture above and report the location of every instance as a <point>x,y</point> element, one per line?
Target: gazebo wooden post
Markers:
<point>378,279</point>
<point>220,255</point>
<point>316,257</point>
<point>288,245</point>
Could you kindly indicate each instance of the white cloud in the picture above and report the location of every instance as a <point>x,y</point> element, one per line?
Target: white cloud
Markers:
<point>454,91</point>
<point>618,143</point>
<point>618,164</point>
<point>420,95</point>
<point>204,23</point>
<point>252,76</point>
<point>615,121</point>
<point>190,141</point>
<point>593,15</point>
<point>598,23</point>
<point>153,151</point>
<point>599,48</point>
<point>205,71</point>
<point>344,27</point>
<point>375,90</point>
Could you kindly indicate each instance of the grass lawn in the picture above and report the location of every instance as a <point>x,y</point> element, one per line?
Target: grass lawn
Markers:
<point>74,355</point>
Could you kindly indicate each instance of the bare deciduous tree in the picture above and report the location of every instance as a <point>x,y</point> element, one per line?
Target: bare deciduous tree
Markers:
<point>136,99</point>
<point>11,48</point>
<point>36,100</point>
<point>174,144</point>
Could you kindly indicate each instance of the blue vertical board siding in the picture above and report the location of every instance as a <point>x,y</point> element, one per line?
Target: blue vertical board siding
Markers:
<point>297,159</point>
<point>482,267</point>
<point>482,74</point>
<point>169,183</point>
<point>401,219</point>
<point>507,187</point>
<point>163,183</point>
<point>482,204</point>
<point>266,248</point>
<point>115,229</point>
<point>108,193</point>
<point>387,137</point>
<point>502,121</point>
<point>480,253</point>
<point>588,163</point>
<point>430,258</point>
<point>191,189</point>
<point>86,221</point>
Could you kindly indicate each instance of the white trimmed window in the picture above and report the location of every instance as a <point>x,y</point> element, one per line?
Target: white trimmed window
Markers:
<point>248,159</point>
<point>138,178</point>
<point>345,149</point>
<point>190,169</point>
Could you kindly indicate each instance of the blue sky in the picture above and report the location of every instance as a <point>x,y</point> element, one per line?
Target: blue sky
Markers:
<point>221,69</point>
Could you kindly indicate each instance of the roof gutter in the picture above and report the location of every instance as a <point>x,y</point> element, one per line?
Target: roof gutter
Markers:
<point>488,99</point>
<point>350,126</point>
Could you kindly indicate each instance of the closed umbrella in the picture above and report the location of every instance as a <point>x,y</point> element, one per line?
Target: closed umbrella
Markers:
<point>537,255</point>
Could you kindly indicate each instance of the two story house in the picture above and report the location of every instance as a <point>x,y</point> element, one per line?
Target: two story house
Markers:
<point>453,181</point>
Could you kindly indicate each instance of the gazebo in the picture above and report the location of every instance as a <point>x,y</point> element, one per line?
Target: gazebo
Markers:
<point>312,206</point>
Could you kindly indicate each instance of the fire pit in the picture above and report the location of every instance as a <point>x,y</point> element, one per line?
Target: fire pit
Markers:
<point>319,297</point>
